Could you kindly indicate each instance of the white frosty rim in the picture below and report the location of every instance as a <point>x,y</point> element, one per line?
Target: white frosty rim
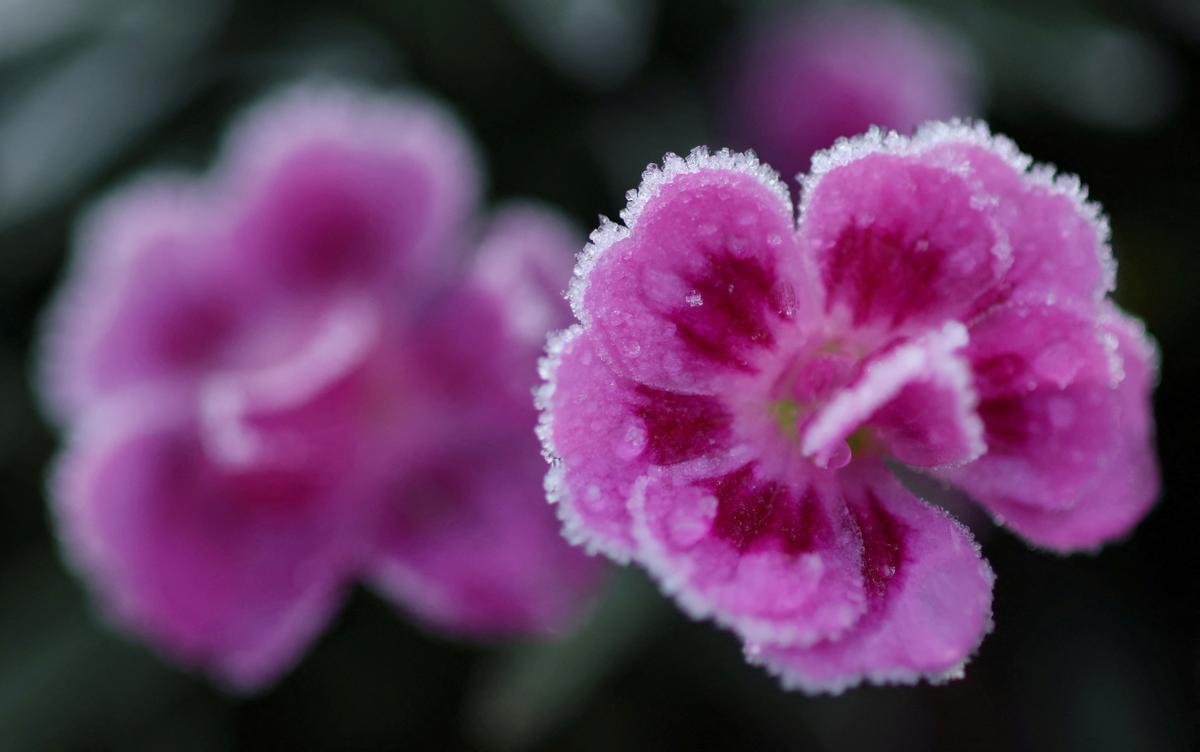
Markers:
<point>574,529</point>
<point>976,133</point>
<point>654,178</point>
<point>671,579</point>
<point>790,679</point>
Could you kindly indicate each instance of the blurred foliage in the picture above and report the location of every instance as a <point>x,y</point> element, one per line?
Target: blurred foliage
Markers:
<point>570,100</point>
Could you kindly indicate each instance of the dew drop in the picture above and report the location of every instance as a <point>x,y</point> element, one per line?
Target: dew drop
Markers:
<point>835,457</point>
<point>1058,363</point>
<point>592,497</point>
<point>631,442</point>
<point>690,522</point>
<point>694,299</point>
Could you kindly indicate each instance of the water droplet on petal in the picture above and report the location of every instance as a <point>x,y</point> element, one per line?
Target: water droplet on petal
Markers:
<point>593,498</point>
<point>632,442</point>
<point>1057,364</point>
<point>835,457</point>
<point>689,522</point>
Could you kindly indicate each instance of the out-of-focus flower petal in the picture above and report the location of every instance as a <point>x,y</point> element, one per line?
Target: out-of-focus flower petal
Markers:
<point>324,396</point>
<point>233,570</point>
<point>291,375</point>
<point>803,80</point>
<point>467,543</point>
<point>525,259</point>
<point>143,300</point>
<point>336,186</point>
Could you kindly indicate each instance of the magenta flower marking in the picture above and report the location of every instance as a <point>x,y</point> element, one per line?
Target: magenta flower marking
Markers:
<point>284,377</point>
<point>804,79</point>
<point>722,412</point>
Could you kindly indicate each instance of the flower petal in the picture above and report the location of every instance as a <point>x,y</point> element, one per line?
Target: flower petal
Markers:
<point>1122,488</point>
<point>916,396</point>
<point>929,597</point>
<point>144,300</point>
<point>333,185</point>
<point>318,401</point>
<point>525,261</point>
<point>806,78</point>
<point>594,443</point>
<point>231,570</point>
<point>773,561</point>
<point>702,280</point>
<point>470,370</point>
<point>467,542</point>
<point>897,240</point>
<point>1045,376</point>
<point>1059,239</point>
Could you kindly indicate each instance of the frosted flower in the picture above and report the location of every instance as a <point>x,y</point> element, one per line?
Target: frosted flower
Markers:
<point>285,377</point>
<point>803,79</point>
<point>723,412</point>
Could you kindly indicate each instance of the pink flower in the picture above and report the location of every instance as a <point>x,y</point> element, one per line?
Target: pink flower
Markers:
<point>803,80</point>
<point>723,413</point>
<point>284,377</point>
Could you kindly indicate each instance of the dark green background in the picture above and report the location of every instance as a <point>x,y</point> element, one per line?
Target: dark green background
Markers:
<point>1089,652</point>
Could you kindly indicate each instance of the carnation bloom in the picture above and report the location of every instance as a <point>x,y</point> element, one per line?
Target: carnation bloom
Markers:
<point>803,79</point>
<point>725,410</point>
<point>287,376</point>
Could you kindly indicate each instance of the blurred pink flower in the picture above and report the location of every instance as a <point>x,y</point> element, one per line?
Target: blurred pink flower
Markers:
<point>723,412</point>
<point>801,80</point>
<point>286,376</point>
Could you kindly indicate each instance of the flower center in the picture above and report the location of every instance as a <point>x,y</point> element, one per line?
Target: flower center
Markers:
<point>804,387</point>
